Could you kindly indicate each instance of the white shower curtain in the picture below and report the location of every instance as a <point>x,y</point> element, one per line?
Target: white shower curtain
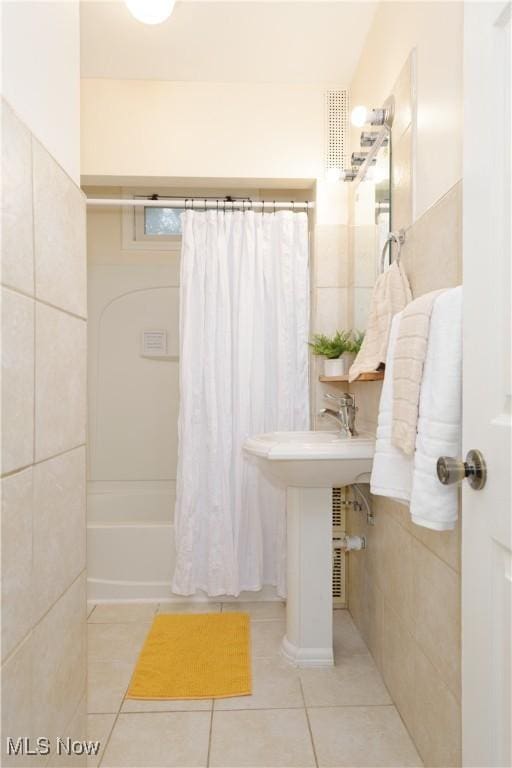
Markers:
<point>244,321</point>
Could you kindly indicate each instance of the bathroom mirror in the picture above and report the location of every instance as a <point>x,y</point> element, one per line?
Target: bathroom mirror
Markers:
<point>371,226</point>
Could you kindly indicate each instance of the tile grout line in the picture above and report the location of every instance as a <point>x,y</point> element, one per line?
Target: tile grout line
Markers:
<point>38,300</point>
<point>308,722</point>
<point>42,461</point>
<point>18,645</point>
<point>208,753</point>
<point>123,699</point>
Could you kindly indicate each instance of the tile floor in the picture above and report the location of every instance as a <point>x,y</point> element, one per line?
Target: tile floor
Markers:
<point>331,717</point>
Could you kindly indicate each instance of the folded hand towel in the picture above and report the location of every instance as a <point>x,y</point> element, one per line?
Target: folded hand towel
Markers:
<point>390,295</point>
<point>408,362</point>
<point>440,414</point>
<point>392,470</point>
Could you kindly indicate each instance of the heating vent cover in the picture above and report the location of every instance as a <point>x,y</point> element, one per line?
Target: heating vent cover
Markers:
<point>336,126</point>
<point>338,556</point>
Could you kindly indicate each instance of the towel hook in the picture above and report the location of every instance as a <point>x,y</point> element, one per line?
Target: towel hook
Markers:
<point>393,237</point>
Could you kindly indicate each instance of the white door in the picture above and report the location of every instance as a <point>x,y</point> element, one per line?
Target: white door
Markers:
<point>486,514</point>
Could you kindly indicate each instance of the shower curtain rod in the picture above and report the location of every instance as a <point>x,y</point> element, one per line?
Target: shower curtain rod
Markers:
<point>201,203</point>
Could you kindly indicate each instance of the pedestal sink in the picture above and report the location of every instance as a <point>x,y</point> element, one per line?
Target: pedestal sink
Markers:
<point>309,465</point>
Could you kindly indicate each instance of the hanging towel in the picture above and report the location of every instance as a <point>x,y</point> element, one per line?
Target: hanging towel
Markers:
<point>408,362</point>
<point>392,470</point>
<point>390,295</point>
<point>434,505</point>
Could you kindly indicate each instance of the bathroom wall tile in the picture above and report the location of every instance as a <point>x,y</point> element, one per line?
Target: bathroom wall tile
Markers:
<point>437,717</point>
<point>365,255</point>
<point>437,245</point>
<point>260,738</point>
<point>437,614</point>
<point>17,590</point>
<point>330,310</point>
<point>444,544</point>
<point>76,730</point>
<point>362,300</point>
<point>396,568</point>
<point>59,234</point>
<point>59,526</point>
<point>17,381</point>
<point>331,256</point>
<point>17,720</point>
<point>60,381</point>
<point>398,512</point>
<point>398,670</point>
<point>367,396</point>
<point>403,91</point>
<point>17,231</point>
<point>401,193</point>
<point>59,677</point>
<point>361,736</point>
<point>162,739</point>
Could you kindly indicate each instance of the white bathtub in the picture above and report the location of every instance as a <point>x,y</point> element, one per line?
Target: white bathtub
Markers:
<point>130,541</point>
<point>130,544</point>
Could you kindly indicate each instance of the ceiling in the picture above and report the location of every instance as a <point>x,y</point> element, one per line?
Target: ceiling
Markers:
<point>239,41</point>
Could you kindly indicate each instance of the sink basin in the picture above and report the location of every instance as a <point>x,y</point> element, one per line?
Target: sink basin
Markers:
<point>313,459</point>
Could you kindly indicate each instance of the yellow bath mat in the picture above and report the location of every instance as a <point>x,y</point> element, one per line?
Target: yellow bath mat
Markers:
<point>194,656</point>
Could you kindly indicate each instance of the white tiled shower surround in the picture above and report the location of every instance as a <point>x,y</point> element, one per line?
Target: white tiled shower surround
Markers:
<point>43,451</point>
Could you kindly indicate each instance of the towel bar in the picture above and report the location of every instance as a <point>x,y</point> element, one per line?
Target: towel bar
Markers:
<point>393,237</point>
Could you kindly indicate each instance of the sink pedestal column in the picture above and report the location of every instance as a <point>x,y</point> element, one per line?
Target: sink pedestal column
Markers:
<point>308,639</point>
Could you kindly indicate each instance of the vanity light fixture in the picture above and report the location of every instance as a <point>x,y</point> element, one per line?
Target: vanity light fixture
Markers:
<point>350,175</point>
<point>150,11</point>
<point>358,158</point>
<point>361,115</point>
<point>368,139</point>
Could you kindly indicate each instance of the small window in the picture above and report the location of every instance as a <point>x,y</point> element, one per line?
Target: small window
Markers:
<point>162,221</point>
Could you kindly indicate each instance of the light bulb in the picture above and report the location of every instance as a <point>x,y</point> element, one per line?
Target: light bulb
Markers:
<point>359,116</point>
<point>150,11</point>
<point>334,174</point>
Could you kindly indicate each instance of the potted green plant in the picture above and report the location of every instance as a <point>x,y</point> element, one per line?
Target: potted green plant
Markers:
<point>332,348</point>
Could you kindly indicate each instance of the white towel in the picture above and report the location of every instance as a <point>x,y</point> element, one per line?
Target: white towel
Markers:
<point>390,295</point>
<point>408,362</point>
<point>434,505</point>
<point>414,479</point>
<point>392,469</point>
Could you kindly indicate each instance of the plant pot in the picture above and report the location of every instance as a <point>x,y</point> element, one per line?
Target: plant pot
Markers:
<point>336,367</point>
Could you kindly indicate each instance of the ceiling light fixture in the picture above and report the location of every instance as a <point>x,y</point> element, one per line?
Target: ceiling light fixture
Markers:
<point>150,11</point>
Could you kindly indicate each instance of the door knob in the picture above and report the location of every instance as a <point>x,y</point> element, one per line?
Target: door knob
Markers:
<point>450,470</point>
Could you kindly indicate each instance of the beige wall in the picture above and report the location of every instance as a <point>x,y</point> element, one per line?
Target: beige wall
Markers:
<point>434,30</point>
<point>404,589</point>
<point>41,73</point>
<point>172,129</point>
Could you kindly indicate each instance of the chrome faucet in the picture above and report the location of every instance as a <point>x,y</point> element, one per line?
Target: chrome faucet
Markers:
<point>345,415</point>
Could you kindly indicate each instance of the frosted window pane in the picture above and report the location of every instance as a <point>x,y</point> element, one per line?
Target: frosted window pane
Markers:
<point>162,221</point>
